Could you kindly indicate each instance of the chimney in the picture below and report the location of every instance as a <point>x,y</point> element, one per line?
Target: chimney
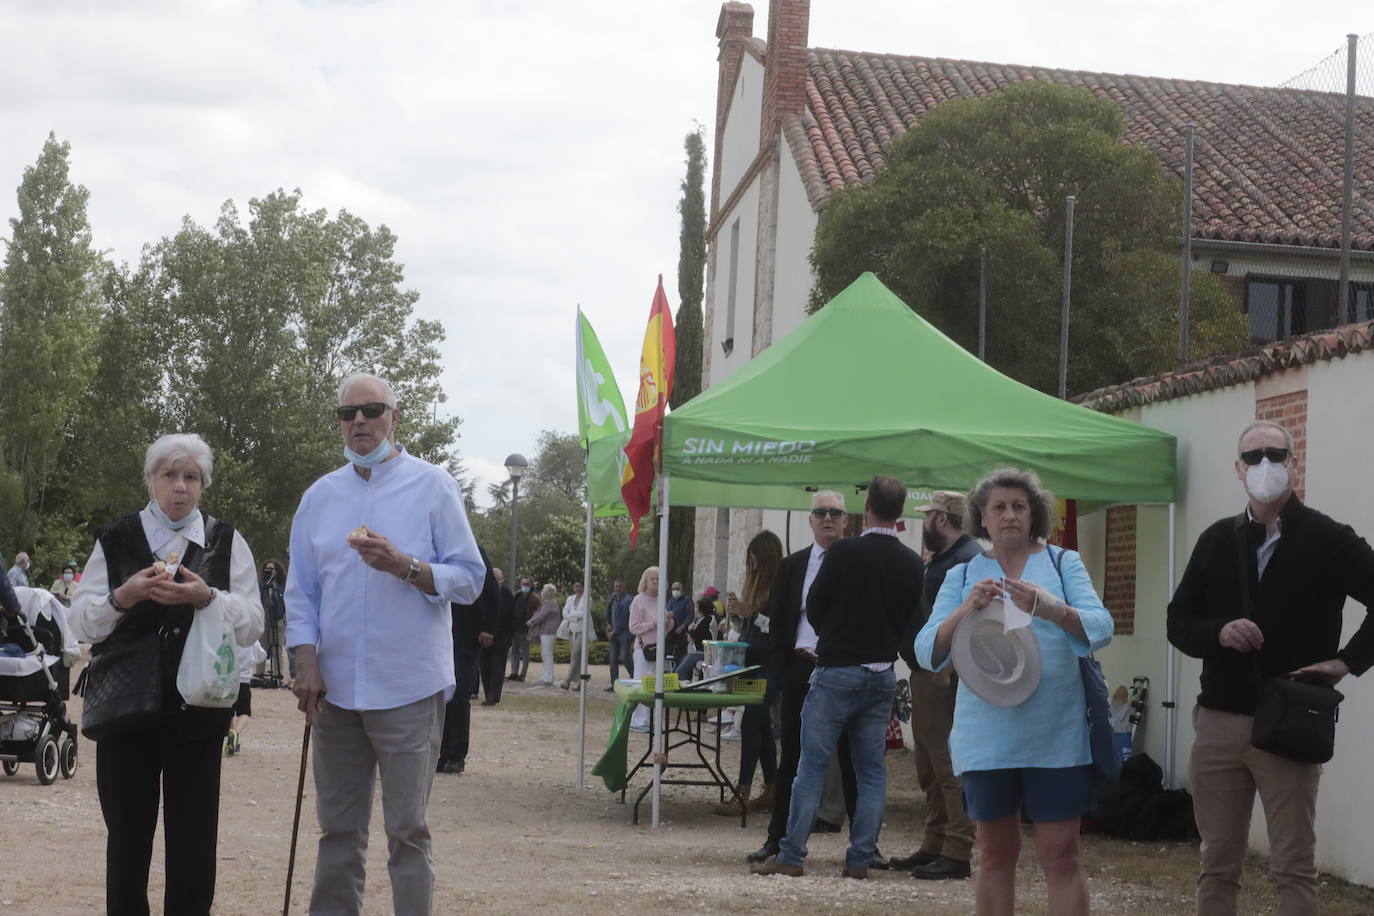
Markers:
<point>734,29</point>
<point>784,75</point>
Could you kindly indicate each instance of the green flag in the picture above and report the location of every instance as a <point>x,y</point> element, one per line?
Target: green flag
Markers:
<point>600,408</point>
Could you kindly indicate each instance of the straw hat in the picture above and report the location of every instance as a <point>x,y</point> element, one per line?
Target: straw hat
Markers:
<point>1003,668</point>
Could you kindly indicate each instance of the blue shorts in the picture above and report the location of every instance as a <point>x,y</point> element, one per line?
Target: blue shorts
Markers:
<point>1045,794</point>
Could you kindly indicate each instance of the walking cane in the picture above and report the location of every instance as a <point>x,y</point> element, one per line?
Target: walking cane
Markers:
<point>296,822</point>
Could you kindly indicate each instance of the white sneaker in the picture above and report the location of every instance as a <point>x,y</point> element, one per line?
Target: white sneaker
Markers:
<point>639,728</point>
<point>731,734</point>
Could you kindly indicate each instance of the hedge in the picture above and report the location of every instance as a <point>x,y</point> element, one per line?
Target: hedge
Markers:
<point>598,653</point>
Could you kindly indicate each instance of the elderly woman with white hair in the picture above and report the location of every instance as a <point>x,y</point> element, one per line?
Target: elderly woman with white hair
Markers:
<point>543,626</point>
<point>150,574</point>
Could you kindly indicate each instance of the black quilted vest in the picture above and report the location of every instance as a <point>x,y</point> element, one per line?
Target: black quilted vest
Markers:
<point>126,553</point>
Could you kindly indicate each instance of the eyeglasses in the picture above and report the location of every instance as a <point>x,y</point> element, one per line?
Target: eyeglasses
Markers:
<point>824,512</point>
<point>1275,455</point>
<point>372,411</point>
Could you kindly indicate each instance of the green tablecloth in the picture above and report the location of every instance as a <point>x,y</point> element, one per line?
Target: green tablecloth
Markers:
<point>611,767</point>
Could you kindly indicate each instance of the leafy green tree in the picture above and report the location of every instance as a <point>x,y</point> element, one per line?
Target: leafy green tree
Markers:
<point>691,273</point>
<point>261,321</point>
<point>993,173</point>
<point>48,318</point>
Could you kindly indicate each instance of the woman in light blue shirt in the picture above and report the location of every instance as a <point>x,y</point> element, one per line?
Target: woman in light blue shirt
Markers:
<point>1033,756</point>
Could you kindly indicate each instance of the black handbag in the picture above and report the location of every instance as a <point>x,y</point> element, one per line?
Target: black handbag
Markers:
<point>1296,718</point>
<point>1101,735</point>
<point>121,689</point>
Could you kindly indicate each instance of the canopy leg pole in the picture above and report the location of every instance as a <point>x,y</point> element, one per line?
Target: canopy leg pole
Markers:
<point>1170,663</point>
<point>587,632</point>
<point>659,711</point>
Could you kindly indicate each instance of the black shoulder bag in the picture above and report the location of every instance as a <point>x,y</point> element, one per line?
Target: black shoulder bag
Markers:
<point>121,688</point>
<point>1295,716</point>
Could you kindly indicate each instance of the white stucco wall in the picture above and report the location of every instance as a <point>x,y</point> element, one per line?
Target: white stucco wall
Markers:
<point>740,142</point>
<point>747,212</point>
<point>796,231</point>
<point>1336,469</point>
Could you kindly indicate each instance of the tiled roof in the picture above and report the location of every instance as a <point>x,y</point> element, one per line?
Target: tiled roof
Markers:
<point>1237,369</point>
<point>1268,163</point>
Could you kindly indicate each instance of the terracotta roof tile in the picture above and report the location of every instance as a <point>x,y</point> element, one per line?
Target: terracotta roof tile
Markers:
<point>1267,165</point>
<point>1237,369</point>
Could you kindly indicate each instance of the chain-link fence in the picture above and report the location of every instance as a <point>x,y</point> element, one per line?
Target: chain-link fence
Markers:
<point>1291,233</point>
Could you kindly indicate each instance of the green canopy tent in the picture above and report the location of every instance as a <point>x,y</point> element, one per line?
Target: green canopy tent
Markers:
<point>867,386</point>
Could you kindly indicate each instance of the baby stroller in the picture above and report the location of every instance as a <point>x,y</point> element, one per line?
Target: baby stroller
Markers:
<point>36,655</point>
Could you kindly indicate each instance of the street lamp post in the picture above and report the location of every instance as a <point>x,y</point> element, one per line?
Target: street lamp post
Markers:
<point>515,466</point>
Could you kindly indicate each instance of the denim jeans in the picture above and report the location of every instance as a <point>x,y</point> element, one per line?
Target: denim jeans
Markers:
<point>856,702</point>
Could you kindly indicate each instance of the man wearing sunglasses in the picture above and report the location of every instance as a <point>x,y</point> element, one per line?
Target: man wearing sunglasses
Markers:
<point>794,655</point>
<point>1284,617</point>
<point>379,549</point>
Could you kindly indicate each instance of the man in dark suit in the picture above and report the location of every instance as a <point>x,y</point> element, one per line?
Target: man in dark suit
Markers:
<point>860,604</point>
<point>794,656</point>
<point>474,629</point>
<point>493,659</point>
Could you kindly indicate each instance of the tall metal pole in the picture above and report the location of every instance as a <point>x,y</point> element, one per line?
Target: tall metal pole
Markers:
<point>1187,269</point>
<point>1068,290</point>
<point>660,714</point>
<point>1348,193</point>
<point>514,511</point>
<point>983,303</point>
<point>587,633</point>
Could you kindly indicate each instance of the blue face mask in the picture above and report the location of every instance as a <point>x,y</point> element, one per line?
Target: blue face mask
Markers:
<point>156,511</point>
<point>373,458</point>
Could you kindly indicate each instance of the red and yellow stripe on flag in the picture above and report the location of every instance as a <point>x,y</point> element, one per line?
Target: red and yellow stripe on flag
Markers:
<point>656,361</point>
<point>1065,532</point>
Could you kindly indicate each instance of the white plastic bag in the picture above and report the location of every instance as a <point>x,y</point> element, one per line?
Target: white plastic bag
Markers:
<point>209,671</point>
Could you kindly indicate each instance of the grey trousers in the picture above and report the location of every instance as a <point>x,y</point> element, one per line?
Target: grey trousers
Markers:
<point>350,748</point>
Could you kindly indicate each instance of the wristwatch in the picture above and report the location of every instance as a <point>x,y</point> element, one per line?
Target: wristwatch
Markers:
<point>213,593</point>
<point>119,608</point>
<point>413,574</point>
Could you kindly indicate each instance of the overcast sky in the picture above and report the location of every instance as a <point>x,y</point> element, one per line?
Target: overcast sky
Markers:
<point>526,154</point>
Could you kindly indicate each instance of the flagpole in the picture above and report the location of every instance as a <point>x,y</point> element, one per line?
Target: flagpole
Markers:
<point>659,711</point>
<point>587,631</point>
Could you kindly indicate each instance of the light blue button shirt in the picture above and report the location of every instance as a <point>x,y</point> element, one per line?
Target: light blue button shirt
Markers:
<point>381,642</point>
<point>1050,728</point>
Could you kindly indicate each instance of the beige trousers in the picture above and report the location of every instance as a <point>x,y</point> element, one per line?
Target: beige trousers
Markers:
<point>350,748</point>
<point>949,831</point>
<point>1226,770</point>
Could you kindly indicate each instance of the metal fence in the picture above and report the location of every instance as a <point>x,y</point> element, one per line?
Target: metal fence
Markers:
<point>1314,268</point>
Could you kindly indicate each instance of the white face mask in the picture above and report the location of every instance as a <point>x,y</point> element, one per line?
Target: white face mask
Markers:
<point>1266,481</point>
<point>677,593</point>
<point>68,576</point>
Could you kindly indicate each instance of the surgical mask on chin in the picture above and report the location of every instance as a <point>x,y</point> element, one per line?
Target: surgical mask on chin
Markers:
<point>1266,481</point>
<point>373,458</point>
<point>156,512</point>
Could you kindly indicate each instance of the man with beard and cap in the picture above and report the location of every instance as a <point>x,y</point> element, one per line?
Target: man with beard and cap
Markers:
<point>948,843</point>
<point>1284,617</point>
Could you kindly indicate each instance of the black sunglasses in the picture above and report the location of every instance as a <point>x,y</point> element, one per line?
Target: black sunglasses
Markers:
<point>1275,455</point>
<point>823,512</point>
<point>372,411</point>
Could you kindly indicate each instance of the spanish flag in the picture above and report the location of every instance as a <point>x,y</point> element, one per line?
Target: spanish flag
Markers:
<point>656,361</point>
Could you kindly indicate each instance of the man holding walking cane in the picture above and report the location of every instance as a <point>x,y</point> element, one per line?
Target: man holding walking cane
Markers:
<point>379,549</point>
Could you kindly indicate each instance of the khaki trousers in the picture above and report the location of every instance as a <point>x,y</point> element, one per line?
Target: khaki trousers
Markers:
<point>350,748</point>
<point>949,831</point>
<point>1226,771</point>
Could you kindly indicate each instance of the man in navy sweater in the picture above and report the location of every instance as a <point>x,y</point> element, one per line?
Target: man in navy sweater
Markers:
<point>860,604</point>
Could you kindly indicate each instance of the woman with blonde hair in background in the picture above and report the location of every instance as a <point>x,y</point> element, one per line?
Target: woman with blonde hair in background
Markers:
<point>543,627</point>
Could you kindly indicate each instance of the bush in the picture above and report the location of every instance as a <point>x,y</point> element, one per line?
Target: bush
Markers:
<point>598,652</point>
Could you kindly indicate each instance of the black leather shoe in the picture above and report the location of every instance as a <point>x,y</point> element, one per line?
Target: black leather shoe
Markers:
<point>769,848</point>
<point>917,859</point>
<point>824,826</point>
<point>943,869</point>
<point>450,766</point>
<point>489,702</point>
<point>879,861</point>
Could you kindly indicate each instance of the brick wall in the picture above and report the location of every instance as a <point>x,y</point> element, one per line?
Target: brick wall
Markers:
<point>1119,593</point>
<point>784,74</point>
<point>1290,410</point>
<point>734,27</point>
